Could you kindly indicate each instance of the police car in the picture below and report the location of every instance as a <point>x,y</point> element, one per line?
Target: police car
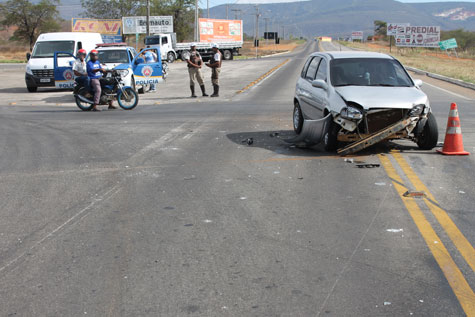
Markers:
<point>112,55</point>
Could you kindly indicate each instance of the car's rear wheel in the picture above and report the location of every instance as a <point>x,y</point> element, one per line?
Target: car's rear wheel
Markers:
<point>429,136</point>
<point>297,118</point>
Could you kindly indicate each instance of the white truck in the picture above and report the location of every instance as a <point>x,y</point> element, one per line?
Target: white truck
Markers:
<point>171,50</point>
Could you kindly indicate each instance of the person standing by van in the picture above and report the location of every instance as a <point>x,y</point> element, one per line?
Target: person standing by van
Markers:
<point>79,68</point>
<point>194,70</point>
<point>151,57</point>
<point>215,65</point>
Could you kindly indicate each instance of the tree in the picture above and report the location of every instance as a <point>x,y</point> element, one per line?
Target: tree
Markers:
<point>112,9</point>
<point>380,28</point>
<point>30,19</point>
<point>182,12</point>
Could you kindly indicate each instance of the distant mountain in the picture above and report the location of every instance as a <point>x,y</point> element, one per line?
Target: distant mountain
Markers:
<point>341,17</point>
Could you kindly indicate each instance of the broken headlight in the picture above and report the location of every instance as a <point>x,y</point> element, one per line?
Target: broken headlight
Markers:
<point>351,113</point>
<point>416,111</point>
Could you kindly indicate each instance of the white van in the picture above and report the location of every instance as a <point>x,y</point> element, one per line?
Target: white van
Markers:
<point>39,69</point>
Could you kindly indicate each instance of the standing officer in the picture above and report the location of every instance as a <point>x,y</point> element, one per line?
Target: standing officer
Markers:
<point>215,65</point>
<point>151,57</point>
<point>194,70</point>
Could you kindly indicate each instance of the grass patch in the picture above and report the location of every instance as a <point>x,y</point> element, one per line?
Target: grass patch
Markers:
<point>432,61</point>
<point>12,61</point>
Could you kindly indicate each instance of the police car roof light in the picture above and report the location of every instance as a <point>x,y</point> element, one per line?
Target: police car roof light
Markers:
<point>111,44</point>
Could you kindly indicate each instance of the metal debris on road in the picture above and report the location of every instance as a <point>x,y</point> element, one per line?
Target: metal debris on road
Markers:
<point>274,134</point>
<point>414,194</point>
<point>367,165</point>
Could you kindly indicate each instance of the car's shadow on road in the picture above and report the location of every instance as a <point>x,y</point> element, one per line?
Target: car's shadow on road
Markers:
<point>275,141</point>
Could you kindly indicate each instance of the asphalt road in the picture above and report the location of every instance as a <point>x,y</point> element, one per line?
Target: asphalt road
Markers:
<point>164,211</point>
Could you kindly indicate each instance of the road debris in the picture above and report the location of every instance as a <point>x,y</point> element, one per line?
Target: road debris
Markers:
<point>461,192</point>
<point>367,165</point>
<point>349,160</point>
<point>189,178</point>
<point>414,194</point>
<point>248,141</point>
<point>395,230</point>
<point>380,184</point>
<point>274,134</point>
<point>387,303</point>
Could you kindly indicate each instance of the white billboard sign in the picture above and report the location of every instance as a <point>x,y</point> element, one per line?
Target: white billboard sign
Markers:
<point>418,36</point>
<point>158,24</point>
<point>393,28</point>
<point>357,35</point>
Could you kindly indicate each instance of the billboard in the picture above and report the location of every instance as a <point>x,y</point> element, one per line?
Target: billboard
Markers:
<point>418,36</point>
<point>213,30</point>
<point>270,35</point>
<point>392,28</point>
<point>110,29</point>
<point>357,35</point>
<point>138,25</point>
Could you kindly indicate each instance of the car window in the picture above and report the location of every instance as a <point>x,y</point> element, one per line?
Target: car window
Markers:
<point>131,55</point>
<point>113,56</point>
<point>164,40</point>
<point>312,68</point>
<point>368,72</point>
<point>322,70</point>
<point>304,69</point>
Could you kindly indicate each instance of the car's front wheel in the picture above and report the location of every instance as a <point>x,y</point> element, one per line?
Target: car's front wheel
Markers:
<point>330,141</point>
<point>297,118</point>
<point>429,136</point>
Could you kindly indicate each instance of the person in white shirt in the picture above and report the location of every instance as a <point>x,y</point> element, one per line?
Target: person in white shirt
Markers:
<point>79,68</point>
<point>215,65</point>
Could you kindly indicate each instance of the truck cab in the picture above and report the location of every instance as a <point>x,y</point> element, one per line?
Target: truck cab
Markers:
<point>166,43</point>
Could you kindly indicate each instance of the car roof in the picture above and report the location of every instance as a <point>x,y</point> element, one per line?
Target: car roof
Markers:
<point>114,48</point>
<point>354,54</point>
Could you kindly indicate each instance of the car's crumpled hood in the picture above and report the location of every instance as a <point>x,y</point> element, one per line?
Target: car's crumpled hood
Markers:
<point>383,97</point>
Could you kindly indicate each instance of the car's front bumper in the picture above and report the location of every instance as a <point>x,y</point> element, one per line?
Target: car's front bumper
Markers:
<point>37,81</point>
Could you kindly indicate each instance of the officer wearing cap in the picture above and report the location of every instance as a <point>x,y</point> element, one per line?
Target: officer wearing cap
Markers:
<point>194,70</point>
<point>215,65</point>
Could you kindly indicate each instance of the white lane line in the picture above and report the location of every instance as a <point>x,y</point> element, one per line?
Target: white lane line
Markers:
<point>188,136</point>
<point>111,192</point>
<point>448,91</point>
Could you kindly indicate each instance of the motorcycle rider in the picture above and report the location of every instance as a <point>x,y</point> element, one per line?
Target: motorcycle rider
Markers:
<point>79,68</point>
<point>95,71</point>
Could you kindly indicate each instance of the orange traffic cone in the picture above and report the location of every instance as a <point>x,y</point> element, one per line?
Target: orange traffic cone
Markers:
<point>453,143</point>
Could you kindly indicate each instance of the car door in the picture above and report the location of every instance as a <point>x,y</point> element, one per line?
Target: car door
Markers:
<point>319,96</point>
<point>63,75</point>
<point>305,89</point>
<point>147,73</point>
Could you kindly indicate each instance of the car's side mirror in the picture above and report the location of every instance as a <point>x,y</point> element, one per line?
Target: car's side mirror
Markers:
<point>28,56</point>
<point>418,82</point>
<point>318,83</point>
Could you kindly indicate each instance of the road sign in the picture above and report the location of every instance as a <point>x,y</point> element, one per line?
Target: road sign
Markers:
<point>418,36</point>
<point>138,25</point>
<point>357,35</point>
<point>448,44</point>
<point>392,28</point>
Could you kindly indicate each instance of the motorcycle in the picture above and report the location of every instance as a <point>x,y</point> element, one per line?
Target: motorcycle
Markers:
<point>112,89</point>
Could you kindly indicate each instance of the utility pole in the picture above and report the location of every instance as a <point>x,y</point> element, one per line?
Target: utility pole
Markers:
<point>267,20</point>
<point>227,11</point>
<point>257,29</point>
<point>148,17</point>
<point>196,22</point>
<point>283,32</point>
<point>207,7</point>
<point>235,13</point>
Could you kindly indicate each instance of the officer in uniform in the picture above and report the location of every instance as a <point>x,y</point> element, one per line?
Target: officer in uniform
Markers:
<point>194,70</point>
<point>215,65</point>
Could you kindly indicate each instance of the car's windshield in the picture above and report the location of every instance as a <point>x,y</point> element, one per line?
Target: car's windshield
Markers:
<point>113,56</point>
<point>47,49</point>
<point>368,72</point>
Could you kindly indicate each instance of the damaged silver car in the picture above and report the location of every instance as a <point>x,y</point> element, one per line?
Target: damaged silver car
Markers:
<point>352,100</point>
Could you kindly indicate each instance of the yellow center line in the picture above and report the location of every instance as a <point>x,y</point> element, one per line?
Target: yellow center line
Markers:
<point>452,273</point>
<point>458,239</point>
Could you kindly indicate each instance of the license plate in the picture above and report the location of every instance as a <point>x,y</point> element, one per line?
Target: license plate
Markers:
<point>45,80</point>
